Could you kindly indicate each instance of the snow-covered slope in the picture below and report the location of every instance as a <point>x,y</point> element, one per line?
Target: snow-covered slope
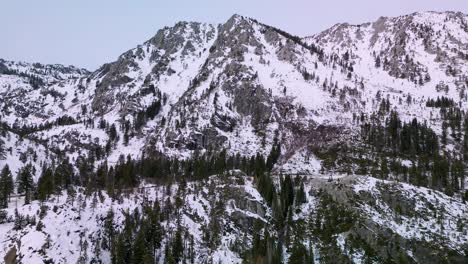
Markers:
<point>408,59</point>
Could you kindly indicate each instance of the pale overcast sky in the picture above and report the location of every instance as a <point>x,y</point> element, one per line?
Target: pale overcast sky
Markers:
<point>88,33</point>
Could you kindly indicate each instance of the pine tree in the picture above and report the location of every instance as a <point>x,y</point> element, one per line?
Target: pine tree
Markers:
<point>377,62</point>
<point>444,133</point>
<point>300,196</point>
<point>178,246</point>
<point>465,140</point>
<point>63,175</point>
<point>120,256</point>
<point>457,172</point>
<point>139,247</point>
<point>45,184</point>
<point>440,171</point>
<point>384,168</point>
<point>109,229</point>
<point>169,256</point>
<point>299,254</point>
<point>275,153</point>
<point>6,186</point>
<point>71,194</point>
<point>25,182</point>
<point>155,230</point>
<point>287,194</point>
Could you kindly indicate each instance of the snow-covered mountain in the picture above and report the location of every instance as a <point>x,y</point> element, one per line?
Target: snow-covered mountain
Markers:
<point>233,85</point>
<point>245,87</point>
<point>365,218</point>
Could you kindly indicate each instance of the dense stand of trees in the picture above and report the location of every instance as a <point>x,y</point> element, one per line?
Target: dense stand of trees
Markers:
<point>140,237</point>
<point>127,172</point>
<point>35,81</point>
<point>395,136</point>
<point>418,143</point>
<point>143,116</point>
<point>440,102</point>
<point>51,181</point>
<point>24,130</point>
<point>142,233</point>
<point>284,200</point>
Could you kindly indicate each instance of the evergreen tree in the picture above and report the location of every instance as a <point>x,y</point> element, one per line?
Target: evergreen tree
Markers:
<point>457,175</point>
<point>465,140</point>
<point>287,194</point>
<point>384,169</point>
<point>120,251</point>
<point>6,186</point>
<point>25,182</point>
<point>45,184</point>
<point>154,231</point>
<point>275,153</point>
<point>440,171</point>
<point>300,195</point>
<point>139,247</point>
<point>377,62</point>
<point>63,175</point>
<point>178,246</point>
<point>299,254</point>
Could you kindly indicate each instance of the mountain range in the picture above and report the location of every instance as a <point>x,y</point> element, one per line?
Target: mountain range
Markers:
<point>362,129</point>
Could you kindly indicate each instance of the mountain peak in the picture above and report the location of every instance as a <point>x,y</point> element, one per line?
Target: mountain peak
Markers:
<point>236,17</point>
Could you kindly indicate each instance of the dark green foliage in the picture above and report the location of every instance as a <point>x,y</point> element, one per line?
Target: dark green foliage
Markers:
<point>286,195</point>
<point>266,188</point>
<point>378,62</point>
<point>300,195</point>
<point>457,175</point>
<point>45,185</point>
<point>125,173</point>
<point>442,102</point>
<point>157,166</point>
<point>151,111</point>
<point>404,138</point>
<point>299,254</point>
<point>25,182</point>
<point>440,172</point>
<point>154,232</point>
<point>177,246</point>
<point>416,142</point>
<point>65,120</point>
<point>140,237</point>
<point>35,81</point>
<point>63,175</point>
<point>140,249</point>
<point>274,154</point>
<point>313,49</point>
<point>112,133</point>
<point>384,107</point>
<point>6,186</point>
<point>331,218</point>
<point>265,249</point>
